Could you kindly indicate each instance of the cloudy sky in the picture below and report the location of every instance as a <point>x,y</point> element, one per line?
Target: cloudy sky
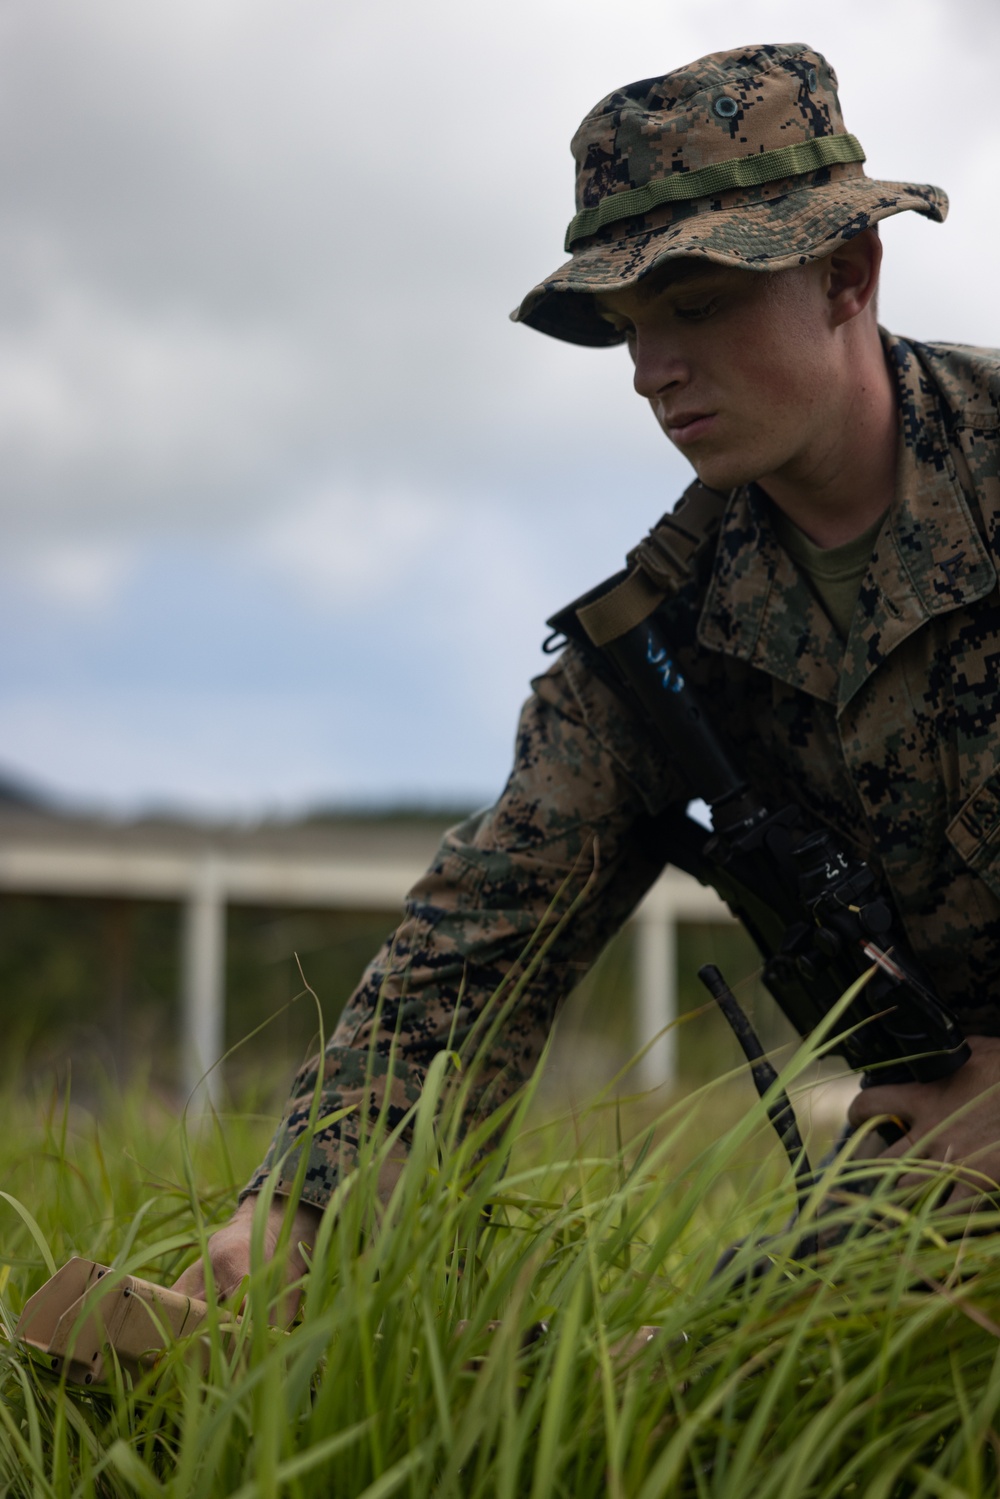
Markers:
<point>286,499</point>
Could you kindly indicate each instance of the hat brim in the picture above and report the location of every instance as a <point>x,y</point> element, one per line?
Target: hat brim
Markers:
<point>773,234</point>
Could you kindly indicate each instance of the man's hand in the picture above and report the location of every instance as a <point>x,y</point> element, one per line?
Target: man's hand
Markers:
<point>229,1251</point>
<point>927,1112</point>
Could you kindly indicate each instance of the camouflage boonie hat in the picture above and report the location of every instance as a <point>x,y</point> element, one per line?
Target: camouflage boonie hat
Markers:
<point>740,157</point>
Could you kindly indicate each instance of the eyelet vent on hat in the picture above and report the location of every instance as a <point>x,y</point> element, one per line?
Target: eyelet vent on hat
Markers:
<point>812,80</point>
<point>725,107</point>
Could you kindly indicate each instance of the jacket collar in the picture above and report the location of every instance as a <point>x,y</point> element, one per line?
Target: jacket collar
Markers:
<point>928,559</point>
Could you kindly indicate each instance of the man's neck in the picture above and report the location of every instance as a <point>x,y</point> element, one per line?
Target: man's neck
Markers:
<point>840,491</point>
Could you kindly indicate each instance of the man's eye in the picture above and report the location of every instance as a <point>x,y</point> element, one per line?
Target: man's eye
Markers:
<point>696,314</point>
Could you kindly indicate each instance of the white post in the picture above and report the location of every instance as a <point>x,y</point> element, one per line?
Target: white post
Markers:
<point>656,991</point>
<point>203,981</point>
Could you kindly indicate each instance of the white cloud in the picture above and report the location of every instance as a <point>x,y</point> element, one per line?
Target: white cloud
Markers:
<point>342,546</point>
<point>247,241</point>
<point>107,413</point>
<point>79,577</point>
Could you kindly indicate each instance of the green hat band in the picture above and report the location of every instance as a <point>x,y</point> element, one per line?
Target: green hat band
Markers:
<point>742,171</point>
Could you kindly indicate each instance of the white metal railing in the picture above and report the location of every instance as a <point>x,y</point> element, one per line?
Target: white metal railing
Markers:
<point>208,878</point>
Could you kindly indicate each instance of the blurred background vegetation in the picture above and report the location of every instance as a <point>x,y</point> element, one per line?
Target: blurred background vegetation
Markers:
<point>90,989</point>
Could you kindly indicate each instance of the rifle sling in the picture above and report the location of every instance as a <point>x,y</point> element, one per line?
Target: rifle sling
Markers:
<point>657,568</point>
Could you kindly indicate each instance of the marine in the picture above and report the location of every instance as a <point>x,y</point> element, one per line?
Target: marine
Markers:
<point>842,619</point>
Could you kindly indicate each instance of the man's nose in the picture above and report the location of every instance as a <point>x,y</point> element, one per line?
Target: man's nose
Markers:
<point>658,365</point>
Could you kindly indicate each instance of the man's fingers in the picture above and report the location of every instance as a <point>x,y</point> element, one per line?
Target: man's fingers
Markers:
<point>874,1103</point>
<point>228,1263</point>
<point>283,1314</point>
<point>905,1145</point>
<point>963,1197</point>
<point>227,1260</point>
<point>191,1282</point>
<point>888,1138</point>
<point>954,1190</point>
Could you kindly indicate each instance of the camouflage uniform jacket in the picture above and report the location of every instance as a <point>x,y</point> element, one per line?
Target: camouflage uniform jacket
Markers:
<point>894,741</point>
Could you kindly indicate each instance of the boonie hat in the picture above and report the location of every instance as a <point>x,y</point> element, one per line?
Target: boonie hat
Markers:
<point>740,157</point>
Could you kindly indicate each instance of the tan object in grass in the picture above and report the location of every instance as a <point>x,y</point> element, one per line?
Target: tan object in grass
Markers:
<point>74,1322</point>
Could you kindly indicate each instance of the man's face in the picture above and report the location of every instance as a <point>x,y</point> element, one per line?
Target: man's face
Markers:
<point>735,365</point>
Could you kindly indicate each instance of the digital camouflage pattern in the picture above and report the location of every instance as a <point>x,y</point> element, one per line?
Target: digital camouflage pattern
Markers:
<point>729,106</point>
<point>894,742</point>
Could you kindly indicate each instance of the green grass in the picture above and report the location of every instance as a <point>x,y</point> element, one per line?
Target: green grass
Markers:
<point>875,1372</point>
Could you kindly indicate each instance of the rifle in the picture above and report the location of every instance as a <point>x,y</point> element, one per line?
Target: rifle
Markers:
<point>813,909</point>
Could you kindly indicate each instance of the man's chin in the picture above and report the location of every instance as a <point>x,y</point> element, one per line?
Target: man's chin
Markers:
<point>720,472</point>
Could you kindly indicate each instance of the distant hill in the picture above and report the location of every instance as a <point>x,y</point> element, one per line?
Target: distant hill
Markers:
<point>17,793</point>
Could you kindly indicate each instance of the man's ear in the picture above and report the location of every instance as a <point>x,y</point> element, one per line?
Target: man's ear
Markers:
<point>852,276</point>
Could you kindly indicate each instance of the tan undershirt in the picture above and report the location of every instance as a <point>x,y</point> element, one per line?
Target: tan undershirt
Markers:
<point>834,573</point>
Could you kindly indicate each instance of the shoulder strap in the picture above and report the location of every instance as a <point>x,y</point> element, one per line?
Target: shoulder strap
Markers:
<point>659,566</point>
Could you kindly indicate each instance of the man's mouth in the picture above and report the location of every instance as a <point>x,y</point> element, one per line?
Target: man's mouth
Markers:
<point>685,426</point>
